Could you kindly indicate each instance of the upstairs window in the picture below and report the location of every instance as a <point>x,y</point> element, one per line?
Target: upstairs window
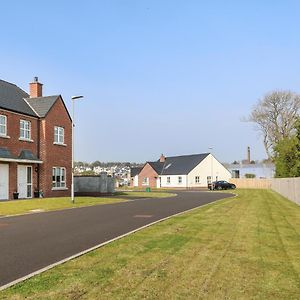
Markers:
<point>197,179</point>
<point>58,177</point>
<point>3,125</point>
<point>25,128</point>
<point>59,135</point>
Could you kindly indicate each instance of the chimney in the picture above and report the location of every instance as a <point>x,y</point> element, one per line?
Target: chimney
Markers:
<point>248,153</point>
<point>162,158</point>
<point>36,88</point>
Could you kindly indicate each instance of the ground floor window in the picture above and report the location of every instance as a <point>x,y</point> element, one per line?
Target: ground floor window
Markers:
<point>209,179</point>
<point>58,177</point>
<point>145,181</point>
<point>179,179</point>
<point>168,179</point>
<point>197,179</point>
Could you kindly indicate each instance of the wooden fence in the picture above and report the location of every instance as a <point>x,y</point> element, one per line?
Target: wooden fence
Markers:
<point>287,187</point>
<point>251,183</point>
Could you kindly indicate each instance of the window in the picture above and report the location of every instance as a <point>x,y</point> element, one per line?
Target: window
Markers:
<point>145,181</point>
<point>59,135</point>
<point>25,127</point>
<point>179,179</point>
<point>168,179</point>
<point>208,179</point>
<point>197,179</point>
<point>3,126</point>
<point>58,177</point>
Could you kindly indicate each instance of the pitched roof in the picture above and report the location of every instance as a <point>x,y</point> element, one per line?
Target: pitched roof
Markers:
<point>25,156</point>
<point>177,165</point>
<point>12,98</point>
<point>182,165</point>
<point>135,171</point>
<point>156,165</point>
<point>42,105</point>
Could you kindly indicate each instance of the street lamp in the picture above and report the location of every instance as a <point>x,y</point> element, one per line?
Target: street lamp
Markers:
<point>212,174</point>
<point>73,124</point>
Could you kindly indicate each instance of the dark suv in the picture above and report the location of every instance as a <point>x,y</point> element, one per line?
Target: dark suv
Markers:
<point>221,185</point>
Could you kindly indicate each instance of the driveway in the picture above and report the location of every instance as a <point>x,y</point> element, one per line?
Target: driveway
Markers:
<point>29,243</point>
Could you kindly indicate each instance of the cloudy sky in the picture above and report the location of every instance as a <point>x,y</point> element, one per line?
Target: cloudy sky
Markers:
<point>172,77</point>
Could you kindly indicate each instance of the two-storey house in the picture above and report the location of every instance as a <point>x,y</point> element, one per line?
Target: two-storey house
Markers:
<point>35,143</point>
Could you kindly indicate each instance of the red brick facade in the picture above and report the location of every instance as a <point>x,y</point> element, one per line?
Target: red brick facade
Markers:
<point>54,155</point>
<point>41,146</point>
<point>150,173</point>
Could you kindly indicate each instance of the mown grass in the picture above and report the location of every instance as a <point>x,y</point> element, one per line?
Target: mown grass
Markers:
<point>46,204</point>
<point>246,247</point>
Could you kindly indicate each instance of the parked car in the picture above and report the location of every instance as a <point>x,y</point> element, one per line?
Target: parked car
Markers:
<point>221,185</point>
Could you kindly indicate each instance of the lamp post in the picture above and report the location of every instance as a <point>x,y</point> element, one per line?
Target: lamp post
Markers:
<point>212,174</point>
<point>73,124</point>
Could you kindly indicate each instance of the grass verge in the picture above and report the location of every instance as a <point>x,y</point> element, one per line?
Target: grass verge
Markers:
<point>47,204</point>
<point>247,247</point>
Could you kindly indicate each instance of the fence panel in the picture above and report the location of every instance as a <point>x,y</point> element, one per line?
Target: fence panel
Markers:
<point>251,183</point>
<point>287,187</point>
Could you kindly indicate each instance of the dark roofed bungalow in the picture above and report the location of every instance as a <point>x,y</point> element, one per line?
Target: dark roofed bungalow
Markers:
<point>184,171</point>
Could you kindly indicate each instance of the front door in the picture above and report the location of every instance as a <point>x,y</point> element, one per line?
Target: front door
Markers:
<point>3,181</point>
<point>25,181</point>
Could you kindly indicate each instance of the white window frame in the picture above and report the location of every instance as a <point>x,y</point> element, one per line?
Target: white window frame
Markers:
<point>145,181</point>
<point>59,135</point>
<point>168,180</point>
<point>179,179</point>
<point>197,179</point>
<point>3,125</point>
<point>25,131</point>
<point>61,173</point>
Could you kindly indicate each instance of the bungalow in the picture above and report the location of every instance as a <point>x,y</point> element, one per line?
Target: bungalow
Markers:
<point>134,176</point>
<point>186,171</point>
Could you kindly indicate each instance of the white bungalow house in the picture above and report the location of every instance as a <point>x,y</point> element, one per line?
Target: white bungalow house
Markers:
<point>185,171</point>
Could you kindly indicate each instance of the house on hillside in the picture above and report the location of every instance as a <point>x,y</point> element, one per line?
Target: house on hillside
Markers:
<point>185,171</point>
<point>35,143</point>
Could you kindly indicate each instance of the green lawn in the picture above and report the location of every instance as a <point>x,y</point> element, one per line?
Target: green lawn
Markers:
<point>46,204</point>
<point>247,247</point>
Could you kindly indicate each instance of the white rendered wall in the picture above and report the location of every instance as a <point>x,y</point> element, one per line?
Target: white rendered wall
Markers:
<point>136,180</point>
<point>204,169</point>
<point>173,181</point>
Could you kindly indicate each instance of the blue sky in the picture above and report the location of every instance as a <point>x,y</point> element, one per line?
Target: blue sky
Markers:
<point>172,77</point>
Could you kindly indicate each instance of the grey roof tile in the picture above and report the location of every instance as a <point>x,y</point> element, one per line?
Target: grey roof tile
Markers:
<point>5,153</point>
<point>12,98</point>
<point>27,155</point>
<point>42,105</point>
<point>135,171</point>
<point>156,165</point>
<point>182,165</point>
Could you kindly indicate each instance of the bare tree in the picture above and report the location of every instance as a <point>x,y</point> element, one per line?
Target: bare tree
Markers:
<point>275,116</point>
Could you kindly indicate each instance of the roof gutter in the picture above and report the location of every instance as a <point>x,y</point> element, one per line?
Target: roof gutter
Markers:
<point>26,161</point>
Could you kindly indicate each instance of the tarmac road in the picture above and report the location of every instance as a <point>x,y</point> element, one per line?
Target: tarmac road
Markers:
<point>31,242</point>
